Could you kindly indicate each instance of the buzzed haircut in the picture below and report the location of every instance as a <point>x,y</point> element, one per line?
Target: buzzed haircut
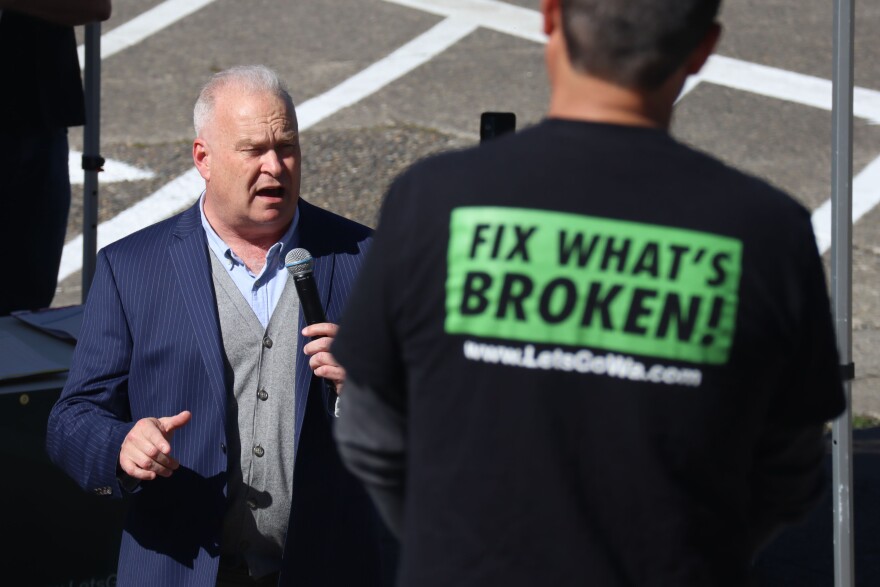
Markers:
<point>250,78</point>
<point>634,43</point>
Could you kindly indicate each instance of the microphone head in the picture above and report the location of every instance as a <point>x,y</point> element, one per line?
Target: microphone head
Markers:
<point>299,261</point>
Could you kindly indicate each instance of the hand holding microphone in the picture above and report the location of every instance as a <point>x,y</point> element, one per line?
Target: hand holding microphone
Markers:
<point>300,264</point>
<point>321,361</point>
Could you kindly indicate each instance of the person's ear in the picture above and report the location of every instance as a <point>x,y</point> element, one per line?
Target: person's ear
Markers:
<point>551,15</point>
<point>704,50</point>
<point>202,158</point>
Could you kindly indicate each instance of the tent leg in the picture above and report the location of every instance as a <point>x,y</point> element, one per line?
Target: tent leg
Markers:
<point>841,284</point>
<point>92,161</point>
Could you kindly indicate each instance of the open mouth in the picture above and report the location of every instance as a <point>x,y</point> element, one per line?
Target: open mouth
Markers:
<point>271,192</point>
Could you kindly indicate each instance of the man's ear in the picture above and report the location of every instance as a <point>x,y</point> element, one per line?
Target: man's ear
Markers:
<point>550,13</point>
<point>704,50</point>
<point>202,158</point>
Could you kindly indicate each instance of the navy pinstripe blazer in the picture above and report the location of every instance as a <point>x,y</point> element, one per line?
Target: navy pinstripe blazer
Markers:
<point>150,346</point>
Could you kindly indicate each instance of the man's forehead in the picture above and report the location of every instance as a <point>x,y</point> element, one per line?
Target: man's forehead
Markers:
<point>260,136</point>
<point>243,110</point>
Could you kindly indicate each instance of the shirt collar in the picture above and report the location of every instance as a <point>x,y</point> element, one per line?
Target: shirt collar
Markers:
<point>274,256</point>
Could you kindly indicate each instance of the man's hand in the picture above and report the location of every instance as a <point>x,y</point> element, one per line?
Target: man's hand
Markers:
<point>146,450</point>
<point>322,363</point>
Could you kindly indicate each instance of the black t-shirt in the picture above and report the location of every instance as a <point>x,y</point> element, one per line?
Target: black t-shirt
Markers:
<point>590,329</point>
<point>42,88</point>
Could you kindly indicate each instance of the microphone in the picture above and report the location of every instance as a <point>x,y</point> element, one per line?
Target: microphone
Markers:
<point>299,263</point>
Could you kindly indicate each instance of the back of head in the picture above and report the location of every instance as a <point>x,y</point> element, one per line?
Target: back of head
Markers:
<point>634,43</point>
<point>252,79</point>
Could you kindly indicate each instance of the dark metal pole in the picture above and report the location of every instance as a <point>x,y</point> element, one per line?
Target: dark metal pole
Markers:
<point>841,283</point>
<point>91,161</point>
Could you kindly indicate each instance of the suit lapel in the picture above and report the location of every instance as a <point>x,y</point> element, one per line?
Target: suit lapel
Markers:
<point>189,257</point>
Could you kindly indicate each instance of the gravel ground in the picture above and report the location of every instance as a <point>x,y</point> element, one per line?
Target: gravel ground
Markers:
<point>349,171</point>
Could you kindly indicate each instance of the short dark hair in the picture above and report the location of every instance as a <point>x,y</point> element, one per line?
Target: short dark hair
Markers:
<point>634,43</point>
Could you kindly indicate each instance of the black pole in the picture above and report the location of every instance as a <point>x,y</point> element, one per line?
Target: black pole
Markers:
<point>841,284</point>
<point>92,162</point>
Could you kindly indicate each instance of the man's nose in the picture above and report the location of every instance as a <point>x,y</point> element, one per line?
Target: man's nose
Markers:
<point>272,163</point>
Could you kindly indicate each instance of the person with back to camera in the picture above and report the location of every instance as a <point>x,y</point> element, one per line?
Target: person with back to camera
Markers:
<point>586,354</point>
<point>42,96</point>
<point>194,388</point>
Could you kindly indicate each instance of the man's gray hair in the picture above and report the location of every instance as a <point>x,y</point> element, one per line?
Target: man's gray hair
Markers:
<point>634,43</point>
<point>249,78</point>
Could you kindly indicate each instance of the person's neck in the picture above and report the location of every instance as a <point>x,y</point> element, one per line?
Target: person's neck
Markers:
<point>251,250</point>
<point>251,247</point>
<point>592,99</point>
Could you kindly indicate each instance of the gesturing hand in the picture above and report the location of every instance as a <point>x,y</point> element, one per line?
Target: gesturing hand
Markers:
<point>146,450</point>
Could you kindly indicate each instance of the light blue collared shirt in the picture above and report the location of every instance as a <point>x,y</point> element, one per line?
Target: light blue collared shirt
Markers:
<point>261,291</point>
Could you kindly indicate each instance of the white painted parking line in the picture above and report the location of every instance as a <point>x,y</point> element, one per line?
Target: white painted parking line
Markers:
<point>785,85</point>
<point>144,25</point>
<point>174,195</point>
<point>114,170</point>
<point>182,191</point>
<point>524,23</point>
<point>866,195</point>
<point>397,64</point>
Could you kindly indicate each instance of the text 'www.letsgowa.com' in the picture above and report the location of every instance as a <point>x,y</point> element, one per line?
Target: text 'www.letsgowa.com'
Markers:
<point>582,361</point>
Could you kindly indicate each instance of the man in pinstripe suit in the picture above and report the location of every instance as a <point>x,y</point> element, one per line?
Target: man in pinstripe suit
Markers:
<point>194,390</point>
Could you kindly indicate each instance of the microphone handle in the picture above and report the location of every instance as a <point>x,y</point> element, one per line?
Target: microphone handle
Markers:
<point>313,312</point>
<point>309,300</point>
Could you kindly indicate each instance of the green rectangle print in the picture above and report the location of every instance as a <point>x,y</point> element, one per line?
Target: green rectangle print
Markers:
<point>560,278</point>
